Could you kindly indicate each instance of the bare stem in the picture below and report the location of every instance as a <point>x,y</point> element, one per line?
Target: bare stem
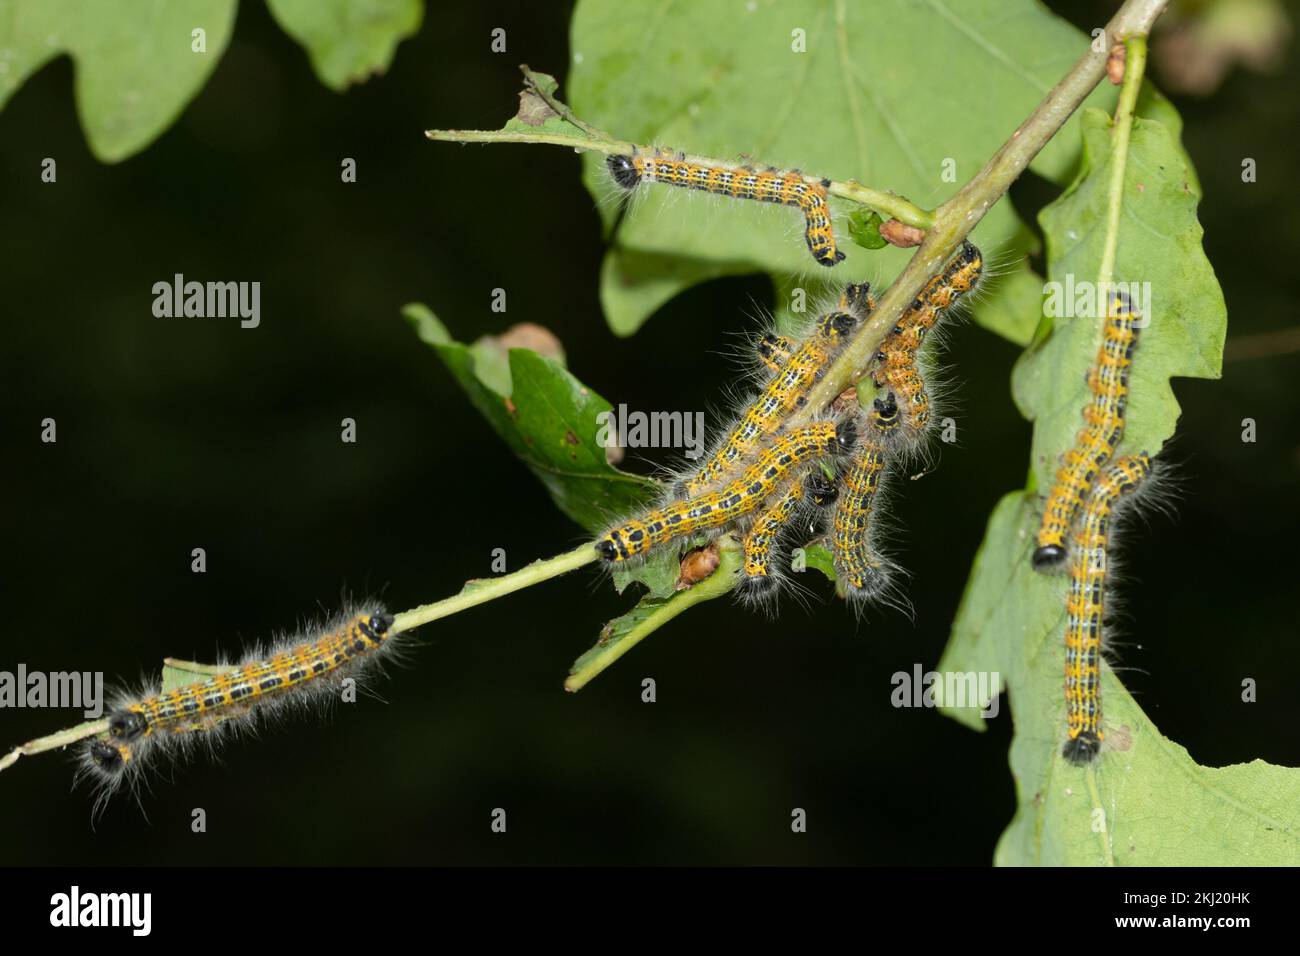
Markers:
<point>489,589</point>
<point>1134,66</point>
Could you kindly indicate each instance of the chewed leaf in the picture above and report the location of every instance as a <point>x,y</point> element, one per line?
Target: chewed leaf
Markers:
<point>183,673</point>
<point>547,417</point>
<point>853,91</point>
<point>1010,625</point>
<point>623,633</point>
<point>818,557</point>
<point>348,40</point>
<point>1011,619</point>
<point>138,63</point>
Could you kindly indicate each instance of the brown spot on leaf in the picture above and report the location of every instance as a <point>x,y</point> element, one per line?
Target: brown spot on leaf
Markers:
<point>571,439</point>
<point>533,110</point>
<point>1120,739</point>
<point>511,409</point>
<point>530,335</point>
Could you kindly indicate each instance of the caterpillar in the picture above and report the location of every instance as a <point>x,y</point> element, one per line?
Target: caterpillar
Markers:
<point>895,365</point>
<point>774,351</point>
<point>297,671</point>
<point>1103,429</point>
<point>740,182</point>
<point>1085,606</point>
<point>739,497</point>
<point>797,369</point>
<point>758,580</point>
<point>861,571</point>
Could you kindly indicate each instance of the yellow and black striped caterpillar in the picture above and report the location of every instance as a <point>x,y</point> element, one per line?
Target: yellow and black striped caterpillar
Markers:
<point>896,368</point>
<point>298,671</point>
<point>1103,429</point>
<point>1086,606</point>
<point>744,494</point>
<point>740,182</point>
<point>797,369</point>
<point>862,572</point>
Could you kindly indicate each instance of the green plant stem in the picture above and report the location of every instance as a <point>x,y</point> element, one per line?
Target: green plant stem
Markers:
<point>597,140</point>
<point>716,585</point>
<point>1135,48</point>
<point>489,589</point>
<point>54,741</point>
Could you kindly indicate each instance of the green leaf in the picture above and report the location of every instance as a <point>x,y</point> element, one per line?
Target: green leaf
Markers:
<point>348,40</point>
<point>183,673</point>
<point>864,229</point>
<point>651,613</point>
<point>546,416</point>
<point>895,94</point>
<point>1010,623</point>
<point>1011,619</point>
<point>818,557</point>
<point>135,66</point>
<point>1160,245</point>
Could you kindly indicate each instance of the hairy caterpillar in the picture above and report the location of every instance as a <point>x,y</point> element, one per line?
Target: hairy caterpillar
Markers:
<point>1103,429</point>
<point>775,350</point>
<point>797,369</point>
<point>740,182</point>
<point>739,497</point>
<point>895,362</point>
<point>297,671</point>
<point>758,579</point>
<point>861,571</point>
<point>1085,606</point>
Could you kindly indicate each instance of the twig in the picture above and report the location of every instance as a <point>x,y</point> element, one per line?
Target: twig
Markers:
<point>53,741</point>
<point>598,141</point>
<point>954,220</point>
<point>1135,64</point>
<point>489,589</point>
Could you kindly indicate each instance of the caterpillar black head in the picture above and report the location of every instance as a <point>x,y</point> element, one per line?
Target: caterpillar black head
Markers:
<point>624,171</point>
<point>884,413</point>
<point>1047,557</point>
<point>757,587</point>
<point>821,491</point>
<point>108,758</point>
<point>608,550</point>
<point>1082,749</point>
<point>837,323</point>
<point>376,625</point>
<point>846,435</point>
<point>857,298</point>
<point>127,724</point>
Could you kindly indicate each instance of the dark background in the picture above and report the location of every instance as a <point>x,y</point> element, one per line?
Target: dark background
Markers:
<point>174,434</point>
